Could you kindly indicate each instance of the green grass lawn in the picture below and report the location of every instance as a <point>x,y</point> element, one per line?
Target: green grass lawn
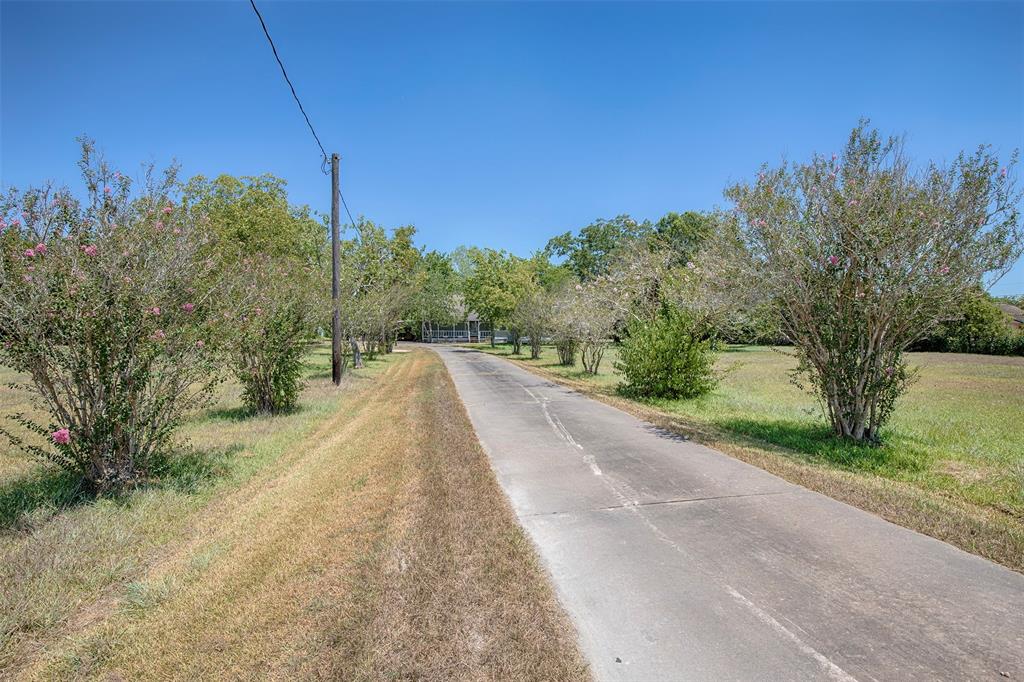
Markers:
<point>959,431</point>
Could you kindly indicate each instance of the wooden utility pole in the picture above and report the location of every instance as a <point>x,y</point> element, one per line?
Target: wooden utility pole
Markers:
<point>335,270</point>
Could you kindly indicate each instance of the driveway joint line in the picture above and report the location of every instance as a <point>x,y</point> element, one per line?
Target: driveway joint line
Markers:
<point>656,503</point>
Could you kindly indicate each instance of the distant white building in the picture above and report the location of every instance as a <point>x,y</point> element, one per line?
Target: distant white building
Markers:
<point>472,330</point>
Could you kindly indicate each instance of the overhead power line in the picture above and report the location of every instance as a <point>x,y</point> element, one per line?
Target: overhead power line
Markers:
<point>288,80</point>
<point>284,72</point>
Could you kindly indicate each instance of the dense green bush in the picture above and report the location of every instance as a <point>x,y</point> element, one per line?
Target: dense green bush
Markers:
<point>666,358</point>
<point>980,327</point>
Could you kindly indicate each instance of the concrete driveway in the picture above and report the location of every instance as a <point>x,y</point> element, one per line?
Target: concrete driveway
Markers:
<point>677,562</point>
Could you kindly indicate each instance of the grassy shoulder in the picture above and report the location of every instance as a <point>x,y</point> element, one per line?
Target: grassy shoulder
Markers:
<point>363,537</point>
<point>951,465</point>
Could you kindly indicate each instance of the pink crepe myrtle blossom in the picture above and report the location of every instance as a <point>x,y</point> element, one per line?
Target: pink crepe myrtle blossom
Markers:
<point>176,231</point>
<point>155,310</point>
<point>168,209</point>
<point>200,344</point>
<point>159,335</point>
<point>30,253</point>
<point>61,436</point>
<point>944,270</point>
<point>159,225</point>
<point>833,260</point>
<point>107,190</point>
<point>15,223</point>
<point>188,307</point>
<point>41,249</point>
<point>90,250</point>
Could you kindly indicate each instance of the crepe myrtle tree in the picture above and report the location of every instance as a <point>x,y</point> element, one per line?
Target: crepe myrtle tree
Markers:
<point>111,312</point>
<point>532,316</point>
<point>284,301</point>
<point>565,332</point>
<point>582,320</point>
<point>863,255</point>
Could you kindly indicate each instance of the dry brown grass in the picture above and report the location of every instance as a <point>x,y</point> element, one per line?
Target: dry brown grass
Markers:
<point>379,547</point>
<point>987,532</point>
<point>455,593</point>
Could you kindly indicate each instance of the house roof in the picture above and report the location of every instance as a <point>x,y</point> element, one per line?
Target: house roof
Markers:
<point>1015,313</point>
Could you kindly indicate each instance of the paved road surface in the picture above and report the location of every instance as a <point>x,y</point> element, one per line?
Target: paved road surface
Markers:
<point>677,562</point>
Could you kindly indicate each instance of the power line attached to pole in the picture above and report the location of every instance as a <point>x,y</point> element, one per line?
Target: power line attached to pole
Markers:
<point>336,198</point>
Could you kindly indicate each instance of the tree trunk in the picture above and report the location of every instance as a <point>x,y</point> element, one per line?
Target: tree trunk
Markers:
<point>566,353</point>
<point>357,355</point>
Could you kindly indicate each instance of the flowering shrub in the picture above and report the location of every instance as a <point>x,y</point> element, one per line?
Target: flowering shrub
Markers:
<point>564,332</point>
<point>863,257</point>
<point>108,308</point>
<point>284,303</point>
<point>532,318</point>
<point>582,319</point>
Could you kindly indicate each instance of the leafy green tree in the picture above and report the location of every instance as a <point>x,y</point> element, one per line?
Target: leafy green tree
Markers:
<point>251,215</point>
<point>378,295</point>
<point>683,234</point>
<point>590,253</point>
<point>276,253</point>
<point>438,291</point>
<point>496,283</point>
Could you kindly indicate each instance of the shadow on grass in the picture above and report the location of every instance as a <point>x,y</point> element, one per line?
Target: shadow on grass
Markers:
<point>45,492</point>
<point>242,413</point>
<point>230,414</point>
<point>46,489</point>
<point>327,372</point>
<point>188,470</point>
<point>817,441</point>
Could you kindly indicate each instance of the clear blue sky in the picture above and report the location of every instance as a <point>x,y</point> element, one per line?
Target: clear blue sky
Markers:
<point>503,124</point>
